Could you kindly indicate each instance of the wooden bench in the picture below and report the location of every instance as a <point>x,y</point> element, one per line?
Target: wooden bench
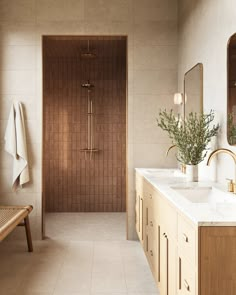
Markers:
<point>12,216</point>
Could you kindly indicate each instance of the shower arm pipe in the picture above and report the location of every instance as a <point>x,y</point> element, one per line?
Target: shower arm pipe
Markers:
<point>89,120</point>
<point>90,130</point>
<point>91,123</point>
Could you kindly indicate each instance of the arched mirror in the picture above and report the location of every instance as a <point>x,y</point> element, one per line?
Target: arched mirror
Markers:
<point>231,101</point>
<point>193,90</point>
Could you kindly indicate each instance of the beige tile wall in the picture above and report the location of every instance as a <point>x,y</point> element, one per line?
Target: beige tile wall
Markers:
<point>204,30</point>
<point>151,27</point>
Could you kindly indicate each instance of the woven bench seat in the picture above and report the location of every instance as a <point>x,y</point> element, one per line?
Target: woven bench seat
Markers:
<point>12,216</point>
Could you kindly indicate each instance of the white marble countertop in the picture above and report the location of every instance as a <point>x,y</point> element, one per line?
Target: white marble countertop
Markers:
<point>220,213</point>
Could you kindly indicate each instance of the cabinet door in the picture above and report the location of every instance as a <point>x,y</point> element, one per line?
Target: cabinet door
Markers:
<point>155,253</point>
<point>137,213</point>
<point>145,222</point>
<point>151,244</point>
<point>164,257</point>
<point>186,278</point>
<point>149,227</point>
<point>139,216</point>
<point>167,265</point>
<point>152,254</point>
<point>172,266</point>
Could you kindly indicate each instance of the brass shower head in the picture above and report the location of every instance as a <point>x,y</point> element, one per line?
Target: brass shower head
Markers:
<point>87,85</point>
<point>88,54</point>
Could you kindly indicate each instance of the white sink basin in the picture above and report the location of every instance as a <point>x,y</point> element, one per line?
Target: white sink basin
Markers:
<point>164,173</point>
<point>201,194</point>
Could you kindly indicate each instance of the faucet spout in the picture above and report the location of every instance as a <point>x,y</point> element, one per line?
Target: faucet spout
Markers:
<point>231,185</point>
<point>221,150</point>
<point>171,147</point>
<point>182,165</point>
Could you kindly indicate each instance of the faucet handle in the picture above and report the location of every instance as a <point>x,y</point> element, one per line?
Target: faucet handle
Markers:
<point>231,185</point>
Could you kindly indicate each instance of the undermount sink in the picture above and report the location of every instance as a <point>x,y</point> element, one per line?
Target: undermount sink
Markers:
<point>164,173</point>
<point>201,194</point>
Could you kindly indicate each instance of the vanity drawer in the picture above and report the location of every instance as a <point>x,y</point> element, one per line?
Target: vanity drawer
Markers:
<point>151,250</point>
<point>187,239</point>
<point>187,278</point>
<point>168,215</point>
<point>139,183</point>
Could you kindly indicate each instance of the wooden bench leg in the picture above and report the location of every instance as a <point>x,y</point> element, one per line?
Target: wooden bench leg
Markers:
<point>28,234</point>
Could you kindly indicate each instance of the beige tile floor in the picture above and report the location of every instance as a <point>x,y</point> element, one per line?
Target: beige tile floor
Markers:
<point>84,254</point>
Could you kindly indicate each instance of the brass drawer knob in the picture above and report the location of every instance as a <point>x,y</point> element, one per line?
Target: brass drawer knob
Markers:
<point>185,238</point>
<point>151,252</point>
<point>151,223</point>
<point>186,285</point>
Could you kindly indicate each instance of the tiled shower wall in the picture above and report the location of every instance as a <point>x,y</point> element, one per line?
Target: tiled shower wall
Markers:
<point>151,27</point>
<point>75,181</point>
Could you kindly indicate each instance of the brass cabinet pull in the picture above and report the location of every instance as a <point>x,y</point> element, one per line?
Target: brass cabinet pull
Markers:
<point>167,264</point>
<point>138,219</point>
<point>186,285</point>
<point>141,220</point>
<point>185,237</point>
<point>151,252</point>
<point>146,216</point>
<point>150,195</point>
<point>159,253</point>
<point>151,223</point>
<point>180,273</point>
<point>147,243</point>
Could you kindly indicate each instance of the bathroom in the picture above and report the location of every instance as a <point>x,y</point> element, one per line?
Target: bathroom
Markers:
<point>164,39</point>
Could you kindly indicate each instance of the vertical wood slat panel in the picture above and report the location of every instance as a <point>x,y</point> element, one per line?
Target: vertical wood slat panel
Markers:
<point>72,183</point>
<point>217,260</point>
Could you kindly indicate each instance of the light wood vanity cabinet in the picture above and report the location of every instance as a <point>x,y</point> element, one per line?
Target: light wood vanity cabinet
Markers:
<point>156,225</point>
<point>139,207</point>
<point>185,259</point>
<point>158,235</point>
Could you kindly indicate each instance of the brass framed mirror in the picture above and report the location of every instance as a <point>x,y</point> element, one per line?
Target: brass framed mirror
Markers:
<point>193,90</point>
<point>231,90</point>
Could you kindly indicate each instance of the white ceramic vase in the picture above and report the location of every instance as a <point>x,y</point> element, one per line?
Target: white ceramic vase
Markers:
<point>192,173</point>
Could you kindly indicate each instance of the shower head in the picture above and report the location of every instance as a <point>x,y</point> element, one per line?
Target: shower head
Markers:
<point>88,54</point>
<point>87,85</point>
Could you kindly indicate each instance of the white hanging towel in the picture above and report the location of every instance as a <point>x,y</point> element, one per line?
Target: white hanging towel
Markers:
<point>15,144</point>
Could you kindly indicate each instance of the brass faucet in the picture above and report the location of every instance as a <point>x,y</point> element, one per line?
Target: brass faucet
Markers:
<point>182,166</point>
<point>232,185</point>
<point>171,147</point>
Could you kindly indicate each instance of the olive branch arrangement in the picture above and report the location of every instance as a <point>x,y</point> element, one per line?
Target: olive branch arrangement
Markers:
<point>191,136</point>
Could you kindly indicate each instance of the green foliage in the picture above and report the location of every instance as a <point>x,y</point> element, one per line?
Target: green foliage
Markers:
<point>191,136</point>
<point>231,129</point>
